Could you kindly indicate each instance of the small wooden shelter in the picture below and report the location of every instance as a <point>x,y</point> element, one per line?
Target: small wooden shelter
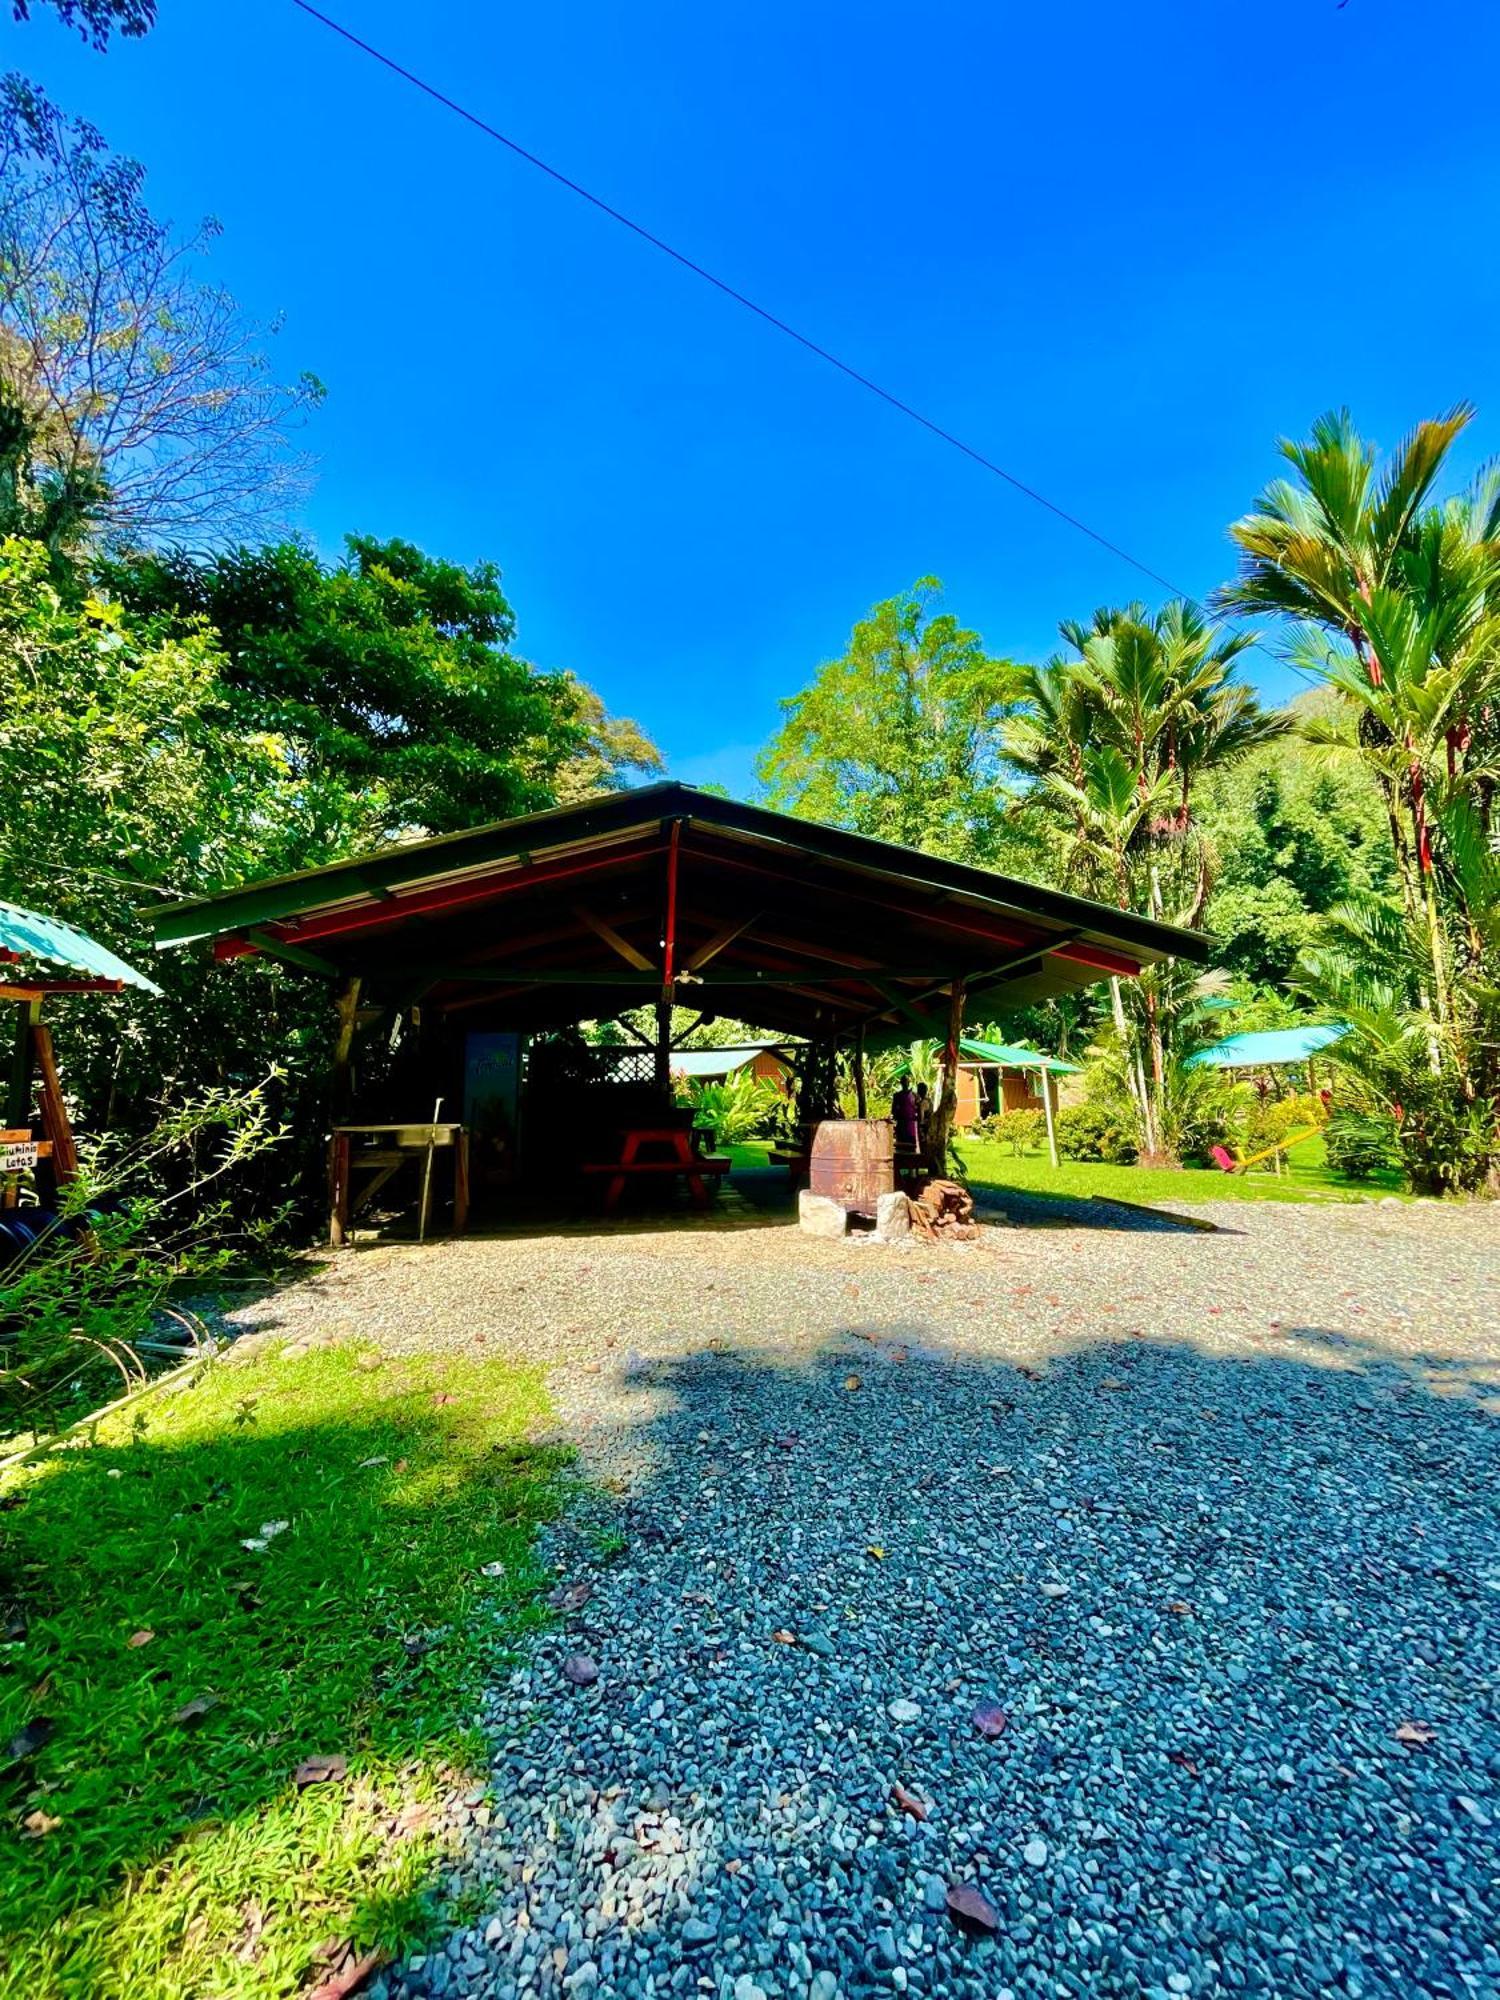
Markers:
<point>30,941</point>
<point>665,896</point>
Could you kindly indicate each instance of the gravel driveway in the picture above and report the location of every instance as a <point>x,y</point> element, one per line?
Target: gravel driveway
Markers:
<point>1204,1526</point>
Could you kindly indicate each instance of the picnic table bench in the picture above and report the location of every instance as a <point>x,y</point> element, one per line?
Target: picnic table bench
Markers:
<point>658,1149</point>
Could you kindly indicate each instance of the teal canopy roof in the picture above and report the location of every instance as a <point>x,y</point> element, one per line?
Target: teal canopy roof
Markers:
<point>1268,1050</point>
<point>26,935</point>
<point>1007,1056</point>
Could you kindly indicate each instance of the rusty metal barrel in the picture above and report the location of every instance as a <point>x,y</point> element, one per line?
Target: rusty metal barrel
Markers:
<point>853,1162</point>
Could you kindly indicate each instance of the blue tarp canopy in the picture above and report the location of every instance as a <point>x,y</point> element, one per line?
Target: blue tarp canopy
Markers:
<point>25,936</point>
<point>1268,1050</point>
<point>1005,1056</point>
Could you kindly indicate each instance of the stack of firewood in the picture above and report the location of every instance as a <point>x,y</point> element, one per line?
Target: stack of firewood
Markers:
<point>944,1213</point>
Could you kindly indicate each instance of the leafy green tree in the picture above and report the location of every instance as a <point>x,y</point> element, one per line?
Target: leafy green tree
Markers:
<point>1393,598</point>
<point>389,680</point>
<point>133,397</point>
<point>121,785</point>
<point>96,20</point>
<point>1293,833</point>
<point>898,737</point>
<point>1115,740</point>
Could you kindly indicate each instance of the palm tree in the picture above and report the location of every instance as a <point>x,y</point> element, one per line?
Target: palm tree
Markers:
<point>1395,603</point>
<point>1112,742</point>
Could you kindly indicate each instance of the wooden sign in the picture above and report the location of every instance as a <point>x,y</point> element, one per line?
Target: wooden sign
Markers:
<point>16,1155</point>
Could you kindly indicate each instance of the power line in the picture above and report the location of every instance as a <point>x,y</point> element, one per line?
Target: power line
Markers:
<point>739,298</point>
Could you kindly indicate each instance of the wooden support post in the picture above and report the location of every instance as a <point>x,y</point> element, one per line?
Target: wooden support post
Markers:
<point>860,1107</point>
<point>460,1182</point>
<point>339,1090</point>
<point>663,1073</point>
<point>17,1108</point>
<point>338,1189</point>
<point>55,1122</point>
<point>668,968</point>
<point>1051,1121</point>
<point>946,1114</point>
<point>18,1090</point>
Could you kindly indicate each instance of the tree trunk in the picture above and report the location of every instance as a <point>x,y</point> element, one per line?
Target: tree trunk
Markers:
<point>946,1112</point>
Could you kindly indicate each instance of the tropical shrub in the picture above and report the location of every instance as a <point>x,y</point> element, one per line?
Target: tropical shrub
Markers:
<point>1097,1130</point>
<point>91,1287</point>
<point>738,1107</point>
<point>1359,1144</point>
<point>1270,1121</point>
<point>1020,1130</point>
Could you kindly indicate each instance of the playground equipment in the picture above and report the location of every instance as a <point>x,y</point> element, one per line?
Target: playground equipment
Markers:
<point>1240,1163</point>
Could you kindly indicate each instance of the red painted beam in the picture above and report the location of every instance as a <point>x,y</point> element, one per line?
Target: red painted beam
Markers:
<point>1098,959</point>
<point>429,902</point>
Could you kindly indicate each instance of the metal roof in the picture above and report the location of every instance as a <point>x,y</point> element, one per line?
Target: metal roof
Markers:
<point>1269,1049</point>
<point>27,935</point>
<point>565,915</point>
<point>1007,1055</point>
<point>718,1062</point>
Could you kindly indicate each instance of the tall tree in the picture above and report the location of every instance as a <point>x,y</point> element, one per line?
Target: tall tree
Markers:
<point>389,680</point>
<point>1393,601</point>
<point>132,394</point>
<point>897,737</point>
<point>1294,834</point>
<point>1115,738</point>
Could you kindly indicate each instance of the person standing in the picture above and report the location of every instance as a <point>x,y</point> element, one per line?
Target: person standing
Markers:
<point>906,1117</point>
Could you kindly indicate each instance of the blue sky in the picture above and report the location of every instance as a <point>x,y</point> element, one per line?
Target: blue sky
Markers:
<point>1120,249</point>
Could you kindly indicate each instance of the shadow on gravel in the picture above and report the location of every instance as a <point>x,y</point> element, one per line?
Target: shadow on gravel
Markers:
<point>1238,1610</point>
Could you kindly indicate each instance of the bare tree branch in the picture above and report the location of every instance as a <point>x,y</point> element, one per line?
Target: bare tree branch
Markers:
<point>141,393</point>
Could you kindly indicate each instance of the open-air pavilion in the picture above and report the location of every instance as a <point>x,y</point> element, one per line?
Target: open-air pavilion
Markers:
<point>488,946</point>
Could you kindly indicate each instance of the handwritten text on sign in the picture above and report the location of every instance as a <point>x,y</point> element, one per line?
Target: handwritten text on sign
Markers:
<point>17,1155</point>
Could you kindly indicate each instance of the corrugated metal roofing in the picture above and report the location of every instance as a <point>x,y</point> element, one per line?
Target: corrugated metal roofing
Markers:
<point>1010,1056</point>
<point>716,1062</point>
<point>1269,1049</point>
<point>26,934</point>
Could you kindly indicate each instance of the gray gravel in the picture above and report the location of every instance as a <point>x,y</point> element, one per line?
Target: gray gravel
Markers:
<point>1211,1518</point>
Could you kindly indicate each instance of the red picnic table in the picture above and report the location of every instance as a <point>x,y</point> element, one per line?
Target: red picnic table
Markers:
<point>658,1149</point>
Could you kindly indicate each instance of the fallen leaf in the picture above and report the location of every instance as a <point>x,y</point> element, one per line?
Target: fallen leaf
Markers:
<point>30,1738</point>
<point>787,1441</point>
<point>908,1802</point>
<point>972,1910</point>
<point>492,1569</point>
<point>442,1397</point>
<point>1113,1382</point>
<point>1416,1735</point>
<point>851,1381</point>
<point>192,1712</point>
<point>580,1670</point>
<point>319,1770</point>
<point>876,1551</point>
<point>142,1638</point>
<point>990,1719</point>
<point>784,1638</point>
<point>1181,1757</point>
<point>38,1823</point>
<point>381,1458</point>
<point>571,1596</point>
<point>1179,1608</point>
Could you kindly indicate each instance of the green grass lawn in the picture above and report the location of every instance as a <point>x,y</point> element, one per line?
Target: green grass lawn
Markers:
<point>1307,1177</point>
<point>156,1843</point>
